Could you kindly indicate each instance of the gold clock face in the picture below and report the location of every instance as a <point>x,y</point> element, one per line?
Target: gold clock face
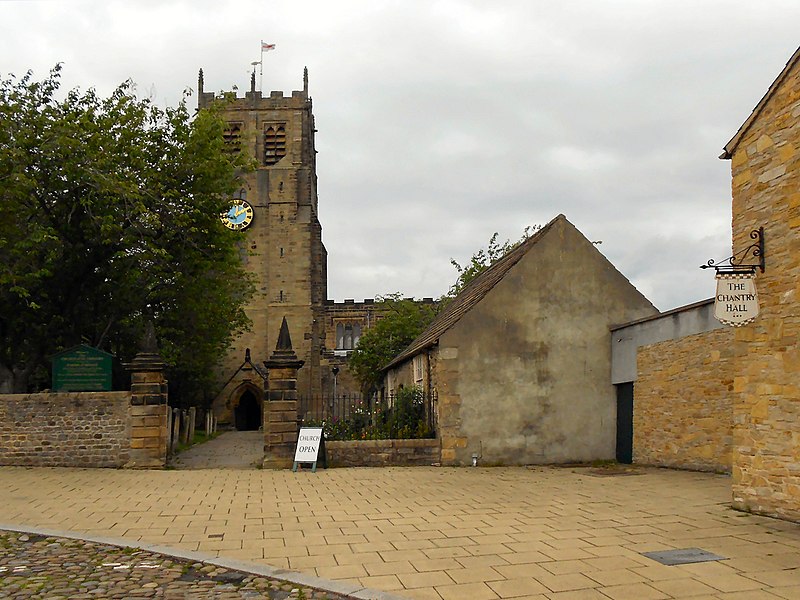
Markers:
<point>239,216</point>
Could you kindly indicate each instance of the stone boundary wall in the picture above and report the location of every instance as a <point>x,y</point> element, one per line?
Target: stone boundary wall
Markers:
<point>383,453</point>
<point>683,403</point>
<point>70,429</point>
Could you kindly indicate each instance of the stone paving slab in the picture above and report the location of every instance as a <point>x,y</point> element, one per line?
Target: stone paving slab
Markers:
<point>427,532</point>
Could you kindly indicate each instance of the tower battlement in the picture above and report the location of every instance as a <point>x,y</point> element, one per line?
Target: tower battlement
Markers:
<point>253,99</point>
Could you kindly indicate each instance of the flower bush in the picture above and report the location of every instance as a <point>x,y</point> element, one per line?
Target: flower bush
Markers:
<point>405,419</point>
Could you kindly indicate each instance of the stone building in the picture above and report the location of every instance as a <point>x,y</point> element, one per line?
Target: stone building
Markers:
<point>520,360</point>
<point>674,374</point>
<point>765,170</point>
<point>277,208</point>
<point>729,399</point>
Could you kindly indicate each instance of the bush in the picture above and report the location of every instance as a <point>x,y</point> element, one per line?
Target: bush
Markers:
<point>406,419</point>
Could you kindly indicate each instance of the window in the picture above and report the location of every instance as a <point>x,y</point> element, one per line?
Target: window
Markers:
<point>347,336</point>
<point>274,144</point>
<point>232,134</point>
<point>418,369</point>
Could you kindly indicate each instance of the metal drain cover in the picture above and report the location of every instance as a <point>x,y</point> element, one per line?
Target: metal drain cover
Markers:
<point>684,556</point>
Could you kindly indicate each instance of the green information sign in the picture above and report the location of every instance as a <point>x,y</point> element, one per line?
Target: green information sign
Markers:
<point>82,369</point>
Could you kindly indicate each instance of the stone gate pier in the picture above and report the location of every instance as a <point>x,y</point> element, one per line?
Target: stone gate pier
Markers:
<point>280,407</point>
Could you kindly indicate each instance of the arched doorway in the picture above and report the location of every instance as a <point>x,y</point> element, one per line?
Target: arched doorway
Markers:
<point>247,414</point>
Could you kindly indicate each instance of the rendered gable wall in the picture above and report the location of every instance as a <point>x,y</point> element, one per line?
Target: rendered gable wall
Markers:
<point>524,376</point>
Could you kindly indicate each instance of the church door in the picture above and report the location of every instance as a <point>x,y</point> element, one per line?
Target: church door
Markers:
<point>248,412</point>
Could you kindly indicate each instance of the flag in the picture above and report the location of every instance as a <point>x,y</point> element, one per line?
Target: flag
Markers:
<point>267,47</point>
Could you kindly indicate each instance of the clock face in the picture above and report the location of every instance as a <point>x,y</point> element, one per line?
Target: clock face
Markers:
<point>239,216</point>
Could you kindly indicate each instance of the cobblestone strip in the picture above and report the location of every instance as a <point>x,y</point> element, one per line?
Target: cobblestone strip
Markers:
<point>36,566</point>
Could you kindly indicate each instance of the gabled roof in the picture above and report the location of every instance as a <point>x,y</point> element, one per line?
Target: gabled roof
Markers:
<point>473,293</point>
<point>730,147</point>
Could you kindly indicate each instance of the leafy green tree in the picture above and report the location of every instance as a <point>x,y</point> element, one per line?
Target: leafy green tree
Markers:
<point>484,258</point>
<point>403,320</point>
<point>109,216</point>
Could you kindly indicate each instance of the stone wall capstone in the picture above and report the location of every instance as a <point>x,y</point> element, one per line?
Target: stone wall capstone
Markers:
<point>71,429</point>
<point>683,402</point>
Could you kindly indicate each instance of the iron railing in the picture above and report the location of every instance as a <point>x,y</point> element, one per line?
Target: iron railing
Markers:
<point>352,416</point>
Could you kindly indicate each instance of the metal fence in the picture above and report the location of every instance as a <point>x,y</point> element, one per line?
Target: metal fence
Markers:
<point>352,416</point>
<point>329,407</point>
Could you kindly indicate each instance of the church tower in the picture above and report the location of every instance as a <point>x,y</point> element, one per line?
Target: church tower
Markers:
<point>277,209</point>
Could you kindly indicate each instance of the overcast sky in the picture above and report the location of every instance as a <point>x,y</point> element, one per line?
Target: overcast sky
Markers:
<point>441,122</point>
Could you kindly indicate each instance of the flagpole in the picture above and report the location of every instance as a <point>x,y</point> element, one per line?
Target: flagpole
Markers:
<point>264,48</point>
<point>261,70</point>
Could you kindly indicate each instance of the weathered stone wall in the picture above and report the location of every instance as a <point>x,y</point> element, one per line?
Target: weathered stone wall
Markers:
<point>683,397</point>
<point>364,314</point>
<point>383,453</point>
<point>280,433</point>
<point>524,377</point>
<point>149,436</point>
<point>77,429</point>
<point>283,249</point>
<point>765,165</point>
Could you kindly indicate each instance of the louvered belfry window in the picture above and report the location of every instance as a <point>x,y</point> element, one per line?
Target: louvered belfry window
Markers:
<point>274,144</point>
<point>232,134</point>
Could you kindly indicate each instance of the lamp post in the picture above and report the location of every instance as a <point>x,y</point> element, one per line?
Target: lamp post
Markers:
<point>335,371</point>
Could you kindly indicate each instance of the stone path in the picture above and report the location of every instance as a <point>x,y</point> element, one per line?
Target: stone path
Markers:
<point>435,533</point>
<point>230,450</point>
<point>36,566</point>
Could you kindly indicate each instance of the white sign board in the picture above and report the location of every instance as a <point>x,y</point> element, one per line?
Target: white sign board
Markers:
<point>736,302</point>
<point>308,441</point>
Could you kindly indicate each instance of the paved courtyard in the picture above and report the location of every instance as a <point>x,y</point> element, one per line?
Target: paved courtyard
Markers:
<point>443,533</point>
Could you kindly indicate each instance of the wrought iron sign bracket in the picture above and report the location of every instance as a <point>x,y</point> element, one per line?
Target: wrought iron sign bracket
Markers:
<point>744,262</point>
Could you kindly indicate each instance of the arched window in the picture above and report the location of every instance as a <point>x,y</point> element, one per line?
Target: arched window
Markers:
<point>232,135</point>
<point>339,336</point>
<point>348,337</point>
<point>274,144</point>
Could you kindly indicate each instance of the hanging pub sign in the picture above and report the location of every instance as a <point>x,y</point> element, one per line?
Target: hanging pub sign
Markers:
<point>736,301</point>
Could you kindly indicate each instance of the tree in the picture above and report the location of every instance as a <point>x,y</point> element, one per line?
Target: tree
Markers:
<point>403,320</point>
<point>109,216</point>
<point>482,259</point>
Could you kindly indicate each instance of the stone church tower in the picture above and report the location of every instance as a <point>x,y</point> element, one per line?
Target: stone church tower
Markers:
<point>283,249</point>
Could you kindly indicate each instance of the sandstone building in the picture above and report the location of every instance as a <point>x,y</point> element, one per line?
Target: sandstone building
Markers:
<point>728,399</point>
<point>277,206</point>
<point>765,170</point>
